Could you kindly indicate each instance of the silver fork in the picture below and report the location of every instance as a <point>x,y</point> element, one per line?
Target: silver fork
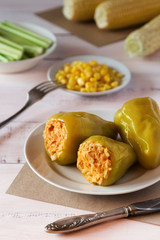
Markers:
<point>33,96</point>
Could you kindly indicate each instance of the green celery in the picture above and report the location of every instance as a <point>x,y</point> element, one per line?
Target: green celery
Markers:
<point>16,54</point>
<point>33,51</point>
<point>10,43</point>
<point>9,58</point>
<point>23,35</point>
<point>3,58</point>
<point>16,39</point>
<point>26,31</point>
<point>18,43</point>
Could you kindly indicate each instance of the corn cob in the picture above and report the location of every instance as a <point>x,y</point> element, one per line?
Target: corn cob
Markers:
<point>79,10</point>
<point>145,40</point>
<point>114,14</point>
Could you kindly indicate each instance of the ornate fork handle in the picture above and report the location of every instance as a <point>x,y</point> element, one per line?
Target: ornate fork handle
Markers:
<point>79,222</point>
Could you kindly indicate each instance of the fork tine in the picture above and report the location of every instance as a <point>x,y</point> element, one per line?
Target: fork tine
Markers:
<point>43,84</point>
<point>43,87</point>
<point>37,86</point>
<point>48,85</point>
<point>51,88</point>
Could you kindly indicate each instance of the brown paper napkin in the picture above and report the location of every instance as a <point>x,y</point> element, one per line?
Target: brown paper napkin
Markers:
<point>28,185</point>
<point>85,30</point>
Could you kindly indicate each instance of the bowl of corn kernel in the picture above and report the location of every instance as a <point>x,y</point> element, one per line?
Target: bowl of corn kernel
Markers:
<point>90,75</point>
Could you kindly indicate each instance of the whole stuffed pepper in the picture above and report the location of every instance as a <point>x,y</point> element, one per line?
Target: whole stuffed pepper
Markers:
<point>103,160</point>
<point>65,131</point>
<point>139,125</point>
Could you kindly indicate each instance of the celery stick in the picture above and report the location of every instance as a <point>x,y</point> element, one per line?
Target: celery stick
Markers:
<point>16,39</point>
<point>33,51</point>
<point>30,49</point>
<point>3,58</point>
<point>16,54</point>
<point>9,58</point>
<point>10,43</point>
<point>24,36</point>
<point>21,29</point>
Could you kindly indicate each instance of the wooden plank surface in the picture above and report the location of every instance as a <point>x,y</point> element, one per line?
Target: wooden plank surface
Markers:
<point>23,218</point>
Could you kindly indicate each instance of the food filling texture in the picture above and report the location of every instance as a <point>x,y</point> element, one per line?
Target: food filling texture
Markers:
<point>54,136</point>
<point>94,162</point>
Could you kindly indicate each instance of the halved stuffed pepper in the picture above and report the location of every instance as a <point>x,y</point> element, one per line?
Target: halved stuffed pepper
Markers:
<point>103,161</point>
<point>64,132</point>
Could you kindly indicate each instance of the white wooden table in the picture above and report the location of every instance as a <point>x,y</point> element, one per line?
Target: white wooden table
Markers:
<point>23,218</point>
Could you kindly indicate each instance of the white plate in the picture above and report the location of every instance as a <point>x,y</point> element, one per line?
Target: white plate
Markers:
<point>21,65</point>
<point>101,60</point>
<point>70,178</point>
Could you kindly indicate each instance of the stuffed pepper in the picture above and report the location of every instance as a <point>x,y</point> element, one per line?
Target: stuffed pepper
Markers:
<point>138,122</point>
<point>103,161</point>
<point>65,131</point>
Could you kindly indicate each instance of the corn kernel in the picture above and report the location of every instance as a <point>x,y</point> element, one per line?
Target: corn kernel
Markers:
<point>77,88</point>
<point>60,77</point>
<point>119,75</point>
<point>94,63</point>
<point>101,89</point>
<point>88,74</point>
<point>93,89</point>
<point>68,75</point>
<point>67,68</point>
<point>80,81</point>
<point>107,86</point>
<point>82,75</point>
<point>107,78</point>
<point>103,71</point>
<point>82,90</point>
<point>114,84</point>
<point>88,68</point>
<point>64,81</point>
<point>97,76</point>
<point>73,70</point>
<point>88,85</point>
<point>92,79</point>
<point>61,72</point>
<point>72,81</point>
<point>98,68</point>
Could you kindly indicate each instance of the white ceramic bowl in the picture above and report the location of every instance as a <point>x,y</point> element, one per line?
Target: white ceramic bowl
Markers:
<point>22,65</point>
<point>101,60</point>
